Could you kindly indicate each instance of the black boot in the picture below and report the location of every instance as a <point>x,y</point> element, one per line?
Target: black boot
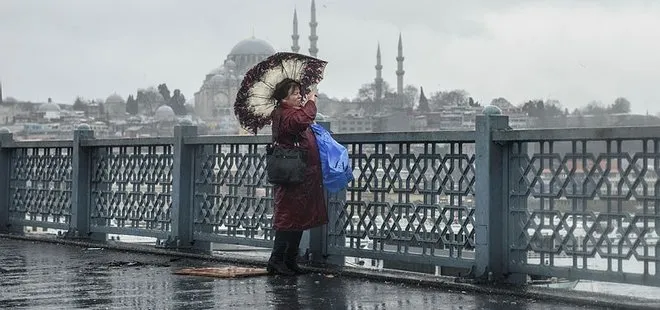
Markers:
<point>291,257</point>
<point>276,264</point>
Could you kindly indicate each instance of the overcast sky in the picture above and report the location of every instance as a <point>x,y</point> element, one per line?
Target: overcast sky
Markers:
<point>571,51</point>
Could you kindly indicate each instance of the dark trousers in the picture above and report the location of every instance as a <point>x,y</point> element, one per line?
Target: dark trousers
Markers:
<point>286,244</point>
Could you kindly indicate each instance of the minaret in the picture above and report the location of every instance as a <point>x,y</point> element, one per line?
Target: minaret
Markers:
<point>379,76</point>
<point>295,47</point>
<point>1,93</point>
<point>313,50</point>
<point>399,69</point>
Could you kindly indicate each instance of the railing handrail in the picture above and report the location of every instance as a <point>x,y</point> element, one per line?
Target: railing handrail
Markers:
<point>151,141</point>
<point>577,134</point>
<point>234,139</point>
<point>37,144</point>
<point>441,136</point>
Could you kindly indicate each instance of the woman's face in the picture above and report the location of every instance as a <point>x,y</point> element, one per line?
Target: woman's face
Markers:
<point>293,99</point>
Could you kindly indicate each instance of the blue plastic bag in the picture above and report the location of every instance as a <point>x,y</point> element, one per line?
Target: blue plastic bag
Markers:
<point>335,165</point>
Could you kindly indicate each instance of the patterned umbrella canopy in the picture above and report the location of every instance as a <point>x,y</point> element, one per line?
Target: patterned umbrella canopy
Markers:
<point>254,101</point>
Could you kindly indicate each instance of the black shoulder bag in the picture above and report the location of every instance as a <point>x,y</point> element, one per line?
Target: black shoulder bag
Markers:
<point>285,165</point>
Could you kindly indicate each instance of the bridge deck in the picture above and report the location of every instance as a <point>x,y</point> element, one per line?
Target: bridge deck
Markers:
<point>37,275</point>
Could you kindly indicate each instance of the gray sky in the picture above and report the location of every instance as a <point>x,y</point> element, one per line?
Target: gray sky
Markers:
<point>572,51</point>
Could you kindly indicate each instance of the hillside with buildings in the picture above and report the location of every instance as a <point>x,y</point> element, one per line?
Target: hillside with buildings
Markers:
<point>153,111</point>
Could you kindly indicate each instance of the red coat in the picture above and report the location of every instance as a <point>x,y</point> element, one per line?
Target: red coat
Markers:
<point>300,206</point>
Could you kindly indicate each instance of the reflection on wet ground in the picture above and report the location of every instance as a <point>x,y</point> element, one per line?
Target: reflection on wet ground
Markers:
<point>37,275</point>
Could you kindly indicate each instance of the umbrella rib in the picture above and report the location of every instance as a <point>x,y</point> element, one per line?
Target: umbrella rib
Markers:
<point>267,84</point>
<point>286,73</point>
<point>260,97</point>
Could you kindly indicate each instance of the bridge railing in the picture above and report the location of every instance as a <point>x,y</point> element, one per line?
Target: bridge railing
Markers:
<point>36,184</point>
<point>495,203</point>
<point>411,201</point>
<point>584,203</point>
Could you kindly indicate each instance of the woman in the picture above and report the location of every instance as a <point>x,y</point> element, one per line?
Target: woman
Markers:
<point>298,206</point>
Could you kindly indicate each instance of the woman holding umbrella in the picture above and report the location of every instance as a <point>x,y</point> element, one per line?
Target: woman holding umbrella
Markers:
<point>272,93</point>
<point>297,206</point>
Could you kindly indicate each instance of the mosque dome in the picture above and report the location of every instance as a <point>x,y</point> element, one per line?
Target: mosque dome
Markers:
<point>252,46</point>
<point>164,113</point>
<point>114,99</point>
<point>49,107</point>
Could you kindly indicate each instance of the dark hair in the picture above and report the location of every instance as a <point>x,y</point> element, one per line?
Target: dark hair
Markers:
<point>283,88</point>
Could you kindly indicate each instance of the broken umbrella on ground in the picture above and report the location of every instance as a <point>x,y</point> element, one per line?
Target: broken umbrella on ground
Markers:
<point>223,272</point>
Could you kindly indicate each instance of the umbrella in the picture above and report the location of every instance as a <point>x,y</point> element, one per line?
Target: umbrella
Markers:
<point>254,101</point>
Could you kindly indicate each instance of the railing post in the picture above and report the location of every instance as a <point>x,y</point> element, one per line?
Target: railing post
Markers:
<point>333,235</point>
<point>183,178</point>
<point>81,175</point>
<point>490,191</point>
<point>315,243</point>
<point>6,137</point>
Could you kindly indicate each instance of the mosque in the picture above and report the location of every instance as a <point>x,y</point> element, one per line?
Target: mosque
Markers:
<point>215,98</point>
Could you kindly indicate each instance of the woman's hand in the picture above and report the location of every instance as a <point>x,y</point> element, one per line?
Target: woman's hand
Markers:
<point>312,96</point>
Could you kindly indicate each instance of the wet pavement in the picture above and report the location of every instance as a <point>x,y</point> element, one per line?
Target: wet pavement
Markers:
<point>37,275</point>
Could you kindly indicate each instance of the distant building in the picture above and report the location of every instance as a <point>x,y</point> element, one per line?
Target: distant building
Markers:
<point>215,98</point>
<point>214,102</point>
<point>49,110</point>
<point>115,106</point>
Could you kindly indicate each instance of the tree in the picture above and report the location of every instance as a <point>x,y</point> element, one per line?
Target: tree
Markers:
<point>534,108</point>
<point>500,102</point>
<point>149,100</point>
<point>473,103</point>
<point>594,108</point>
<point>423,106</point>
<point>621,105</point>
<point>539,108</point>
<point>410,93</point>
<point>132,106</point>
<point>457,97</point>
<point>79,104</point>
<point>449,98</point>
<point>178,103</point>
<point>367,92</point>
<point>553,108</point>
<point>164,91</point>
